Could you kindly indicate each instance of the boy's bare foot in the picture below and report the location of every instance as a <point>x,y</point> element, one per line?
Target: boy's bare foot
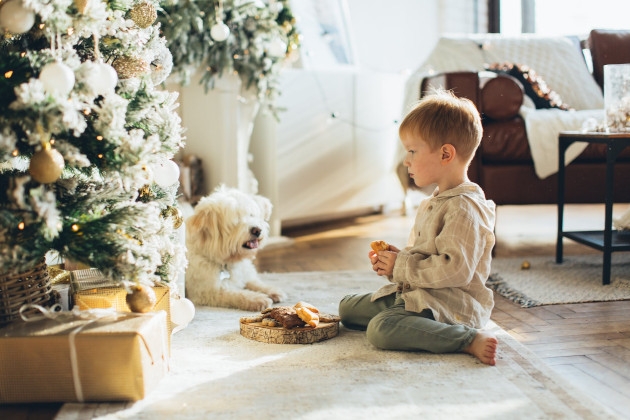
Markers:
<point>483,347</point>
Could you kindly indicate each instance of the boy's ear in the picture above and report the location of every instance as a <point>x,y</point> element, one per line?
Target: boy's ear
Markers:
<point>448,153</point>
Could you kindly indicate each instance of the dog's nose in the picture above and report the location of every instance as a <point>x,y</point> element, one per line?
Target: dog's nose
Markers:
<point>255,231</point>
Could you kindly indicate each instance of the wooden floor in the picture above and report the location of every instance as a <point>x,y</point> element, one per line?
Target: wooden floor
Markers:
<point>587,344</point>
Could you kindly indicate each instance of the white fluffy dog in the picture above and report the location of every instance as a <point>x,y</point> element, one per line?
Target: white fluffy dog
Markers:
<point>223,236</point>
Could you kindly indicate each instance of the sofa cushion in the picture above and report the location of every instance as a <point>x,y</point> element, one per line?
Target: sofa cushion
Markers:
<point>534,85</point>
<point>556,59</point>
<point>608,47</point>
<point>501,97</point>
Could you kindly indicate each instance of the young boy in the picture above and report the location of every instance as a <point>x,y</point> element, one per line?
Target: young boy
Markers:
<point>436,299</point>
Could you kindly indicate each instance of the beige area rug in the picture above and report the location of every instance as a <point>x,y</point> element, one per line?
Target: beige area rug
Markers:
<point>218,374</point>
<point>578,279</point>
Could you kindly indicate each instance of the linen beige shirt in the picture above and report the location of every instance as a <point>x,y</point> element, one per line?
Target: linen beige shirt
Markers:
<point>447,261</point>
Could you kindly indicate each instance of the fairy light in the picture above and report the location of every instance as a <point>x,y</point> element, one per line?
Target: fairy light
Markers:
<point>99,138</point>
<point>86,112</point>
<point>100,156</point>
<point>75,228</point>
<point>8,74</point>
<point>15,152</point>
<point>21,226</point>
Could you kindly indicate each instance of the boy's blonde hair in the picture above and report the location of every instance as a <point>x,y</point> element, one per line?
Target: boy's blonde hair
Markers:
<point>443,118</point>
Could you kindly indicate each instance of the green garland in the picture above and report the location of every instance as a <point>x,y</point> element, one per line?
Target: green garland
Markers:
<point>256,30</point>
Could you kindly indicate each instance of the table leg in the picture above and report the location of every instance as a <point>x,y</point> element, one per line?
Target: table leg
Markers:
<point>562,147</point>
<point>612,151</point>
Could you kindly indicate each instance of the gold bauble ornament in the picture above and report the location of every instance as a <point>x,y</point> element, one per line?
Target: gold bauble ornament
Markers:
<point>143,14</point>
<point>141,299</point>
<point>128,67</point>
<point>525,265</point>
<point>81,5</point>
<point>174,213</point>
<point>46,165</point>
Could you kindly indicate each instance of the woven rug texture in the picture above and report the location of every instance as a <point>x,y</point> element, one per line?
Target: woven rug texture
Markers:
<point>577,279</point>
<point>218,374</point>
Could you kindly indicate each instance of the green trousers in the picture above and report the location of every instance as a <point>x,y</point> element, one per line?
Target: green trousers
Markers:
<point>389,326</point>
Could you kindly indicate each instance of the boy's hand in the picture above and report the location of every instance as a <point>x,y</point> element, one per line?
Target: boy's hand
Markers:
<point>383,261</point>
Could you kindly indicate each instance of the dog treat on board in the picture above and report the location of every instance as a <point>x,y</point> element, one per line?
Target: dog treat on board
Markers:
<point>251,319</point>
<point>270,322</point>
<point>311,318</point>
<point>326,318</point>
<point>379,246</point>
<point>286,316</point>
<point>300,324</point>
<point>302,304</point>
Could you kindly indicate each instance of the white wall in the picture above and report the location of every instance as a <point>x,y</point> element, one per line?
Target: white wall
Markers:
<point>397,35</point>
<point>330,167</point>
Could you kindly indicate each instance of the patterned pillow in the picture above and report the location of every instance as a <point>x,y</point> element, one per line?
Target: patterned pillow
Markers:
<point>535,87</point>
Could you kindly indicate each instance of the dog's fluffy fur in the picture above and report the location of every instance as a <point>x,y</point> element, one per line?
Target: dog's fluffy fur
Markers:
<point>223,237</point>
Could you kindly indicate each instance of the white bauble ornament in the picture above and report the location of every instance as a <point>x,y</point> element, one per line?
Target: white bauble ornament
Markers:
<point>277,48</point>
<point>166,173</point>
<point>57,78</point>
<point>182,312</point>
<point>219,32</point>
<point>275,7</point>
<point>16,18</point>
<point>105,79</point>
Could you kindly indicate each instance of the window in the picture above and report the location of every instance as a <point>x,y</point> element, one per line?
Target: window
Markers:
<point>562,17</point>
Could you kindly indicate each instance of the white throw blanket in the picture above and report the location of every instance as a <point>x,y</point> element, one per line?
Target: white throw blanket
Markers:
<point>555,59</point>
<point>543,127</point>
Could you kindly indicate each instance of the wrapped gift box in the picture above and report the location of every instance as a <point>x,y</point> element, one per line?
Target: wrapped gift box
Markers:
<point>91,290</point>
<point>75,358</point>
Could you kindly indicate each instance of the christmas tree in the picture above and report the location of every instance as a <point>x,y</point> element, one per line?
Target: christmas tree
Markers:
<point>86,138</point>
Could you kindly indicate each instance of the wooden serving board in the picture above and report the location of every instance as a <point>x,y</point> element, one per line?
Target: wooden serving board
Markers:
<point>279,335</point>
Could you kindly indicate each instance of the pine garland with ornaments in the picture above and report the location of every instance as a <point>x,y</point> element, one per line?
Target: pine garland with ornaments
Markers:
<point>249,37</point>
<point>87,138</point>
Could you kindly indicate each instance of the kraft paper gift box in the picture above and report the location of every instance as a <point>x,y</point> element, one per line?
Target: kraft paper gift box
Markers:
<point>91,290</point>
<point>71,358</point>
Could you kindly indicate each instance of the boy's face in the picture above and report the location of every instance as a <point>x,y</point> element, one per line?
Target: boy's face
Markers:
<point>423,164</point>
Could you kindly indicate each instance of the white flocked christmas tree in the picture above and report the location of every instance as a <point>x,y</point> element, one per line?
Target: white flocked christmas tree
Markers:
<point>86,139</point>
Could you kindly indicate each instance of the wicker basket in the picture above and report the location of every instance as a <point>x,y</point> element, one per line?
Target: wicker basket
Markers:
<point>17,289</point>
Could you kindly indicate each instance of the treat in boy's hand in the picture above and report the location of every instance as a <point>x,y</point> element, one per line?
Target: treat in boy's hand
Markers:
<point>379,246</point>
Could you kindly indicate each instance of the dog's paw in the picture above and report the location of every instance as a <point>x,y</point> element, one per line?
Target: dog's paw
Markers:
<point>277,296</point>
<point>257,303</point>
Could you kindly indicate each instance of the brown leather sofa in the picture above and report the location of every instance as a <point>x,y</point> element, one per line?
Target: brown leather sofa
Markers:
<point>503,164</point>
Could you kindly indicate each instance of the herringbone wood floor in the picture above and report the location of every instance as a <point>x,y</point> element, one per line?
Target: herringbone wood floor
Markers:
<point>588,344</point>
